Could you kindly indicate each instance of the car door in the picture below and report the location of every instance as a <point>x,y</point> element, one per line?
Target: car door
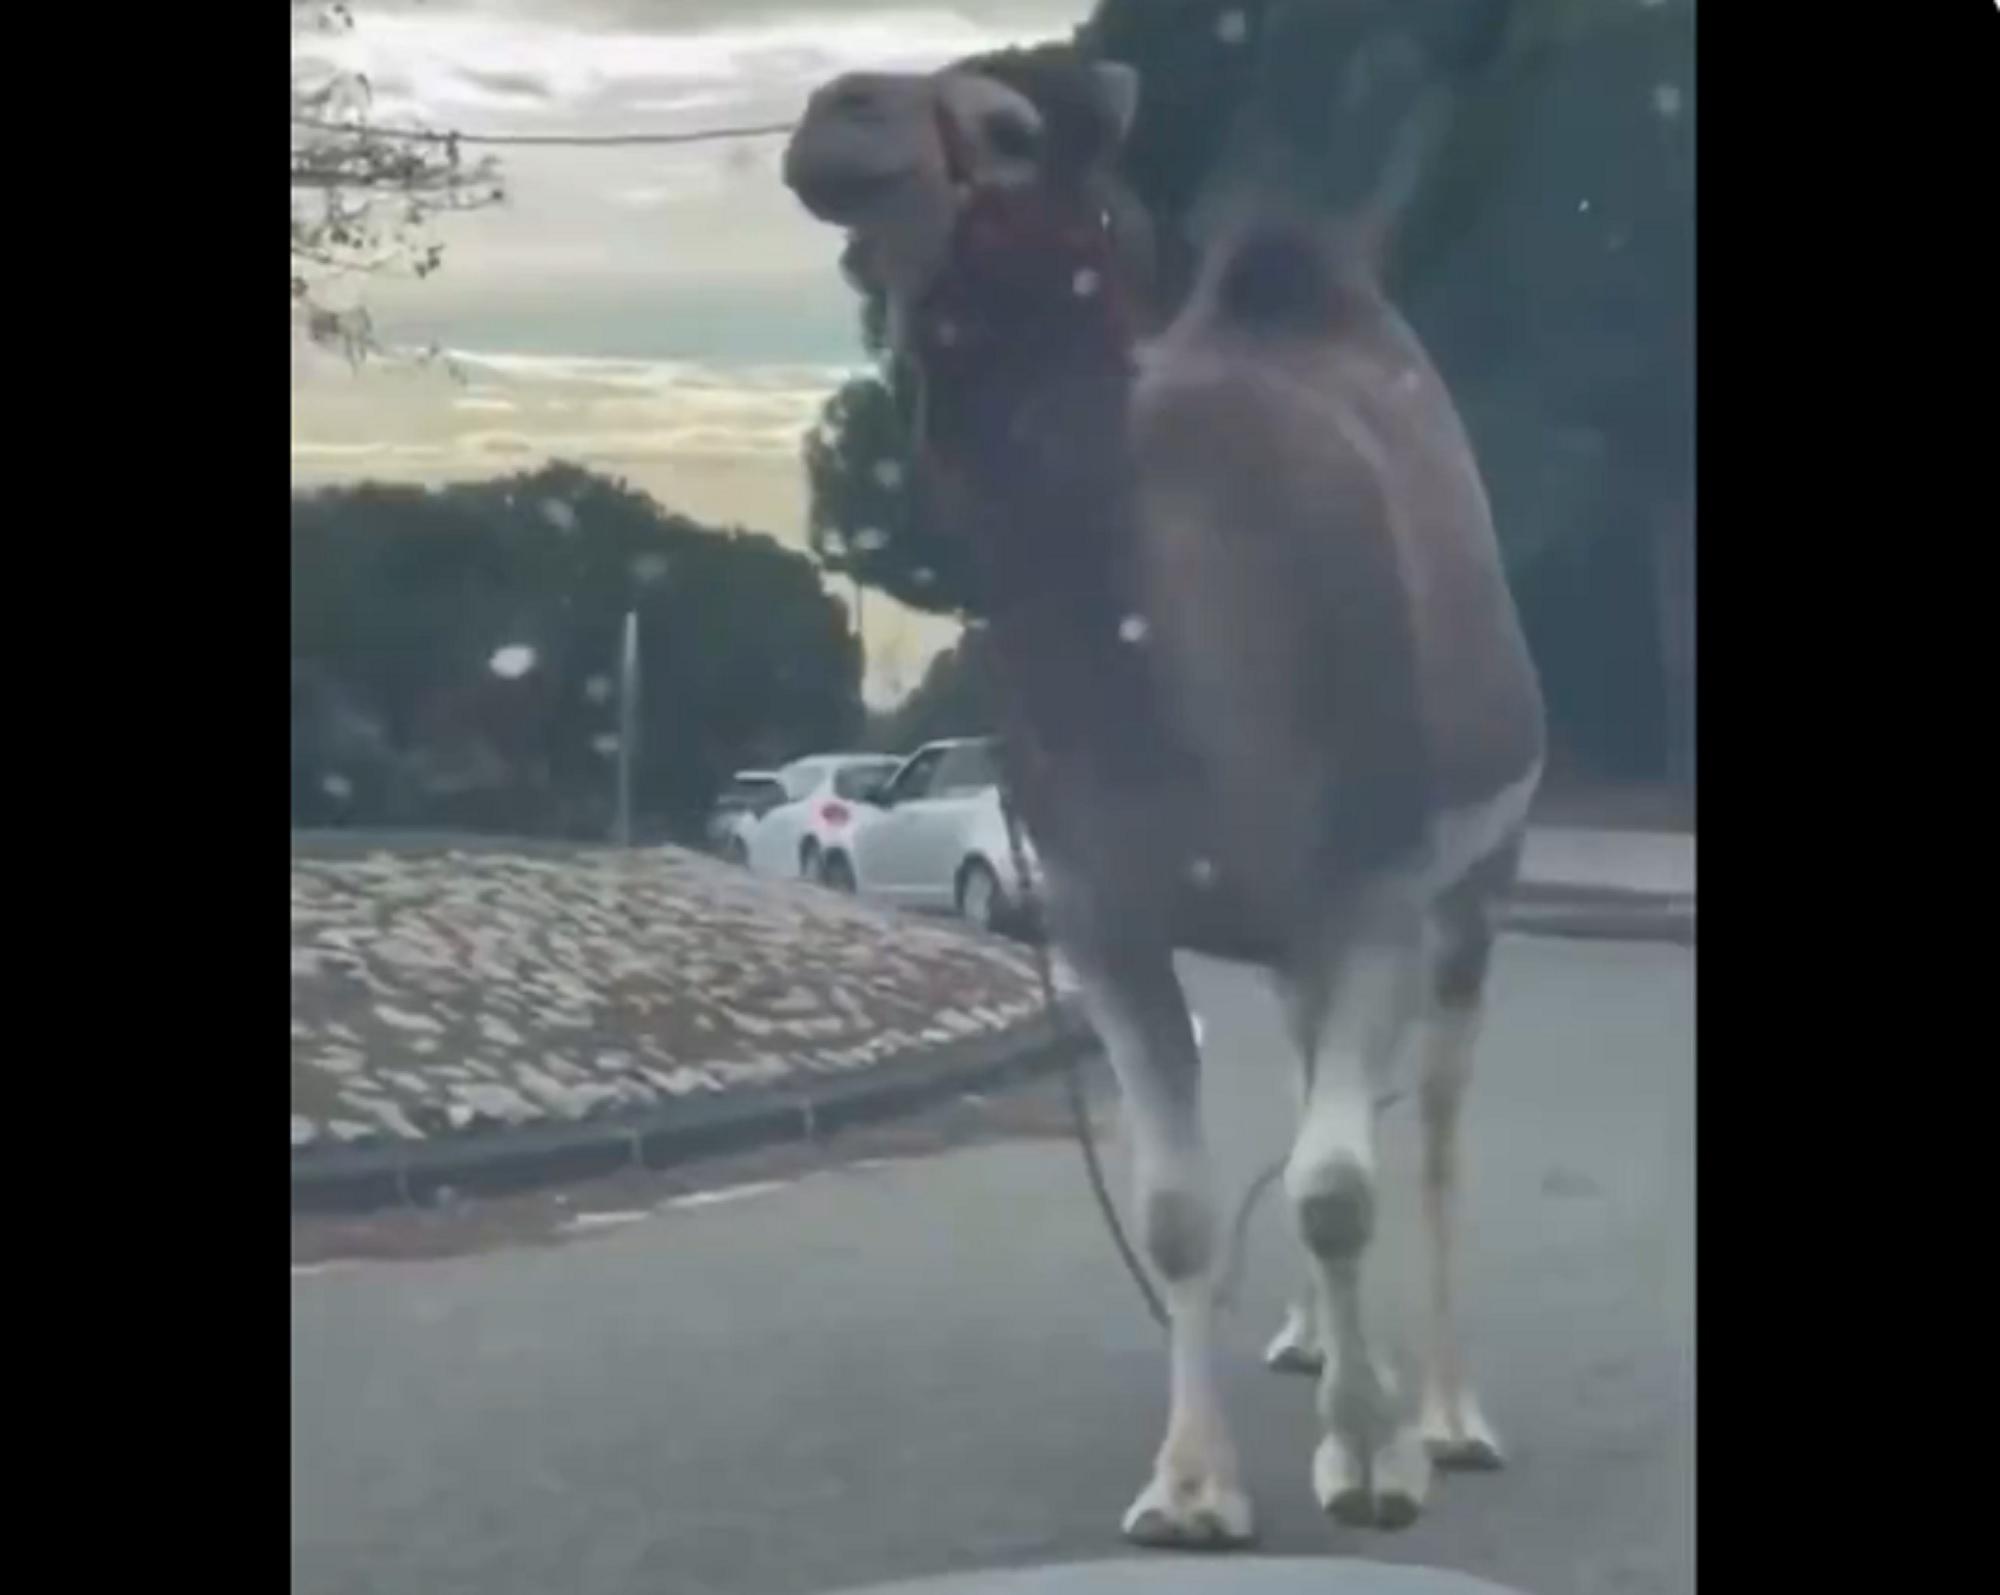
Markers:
<point>959,794</point>
<point>774,839</point>
<point>887,849</point>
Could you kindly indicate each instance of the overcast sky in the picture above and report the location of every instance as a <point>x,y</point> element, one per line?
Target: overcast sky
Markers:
<point>665,314</point>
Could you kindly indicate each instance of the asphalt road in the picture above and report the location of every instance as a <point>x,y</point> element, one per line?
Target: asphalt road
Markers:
<point>888,1370</point>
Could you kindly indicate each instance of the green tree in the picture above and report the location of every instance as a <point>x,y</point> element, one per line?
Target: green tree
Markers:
<point>474,630</point>
<point>864,520</point>
<point>954,699</point>
<point>1539,156</point>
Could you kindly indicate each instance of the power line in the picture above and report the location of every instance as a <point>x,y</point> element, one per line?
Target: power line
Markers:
<point>426,135</point>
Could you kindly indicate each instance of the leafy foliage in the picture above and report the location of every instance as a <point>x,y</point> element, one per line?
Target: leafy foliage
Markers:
<point>362,201</point>
<point>864,521</point>
<point>408,601</point>
<point>952,700</point>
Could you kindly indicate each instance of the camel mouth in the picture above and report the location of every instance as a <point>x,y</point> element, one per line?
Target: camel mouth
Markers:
<point>837,195</point>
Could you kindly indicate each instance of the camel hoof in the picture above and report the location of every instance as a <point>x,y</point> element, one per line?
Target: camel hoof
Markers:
<point>1294,1348</point>
<point>1190,1514</point>
<point>1460,1438</point>
<point>1388,1492</point>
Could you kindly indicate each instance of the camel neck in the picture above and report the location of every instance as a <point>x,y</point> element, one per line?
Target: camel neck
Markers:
<point>1024,344</point>
<point>1027,377</point>
<point>1029,320</point>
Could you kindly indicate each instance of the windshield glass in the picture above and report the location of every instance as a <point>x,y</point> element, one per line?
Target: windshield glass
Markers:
<point>863,780</point>
<point>966,769</point>
<point>992,733</point>
<point>743,794</point>
<point>801,780</point>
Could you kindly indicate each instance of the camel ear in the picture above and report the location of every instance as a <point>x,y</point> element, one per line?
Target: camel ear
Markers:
<point>1118,85</point>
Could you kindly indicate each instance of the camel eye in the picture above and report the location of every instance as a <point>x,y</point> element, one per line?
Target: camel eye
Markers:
<point>1009,137</point>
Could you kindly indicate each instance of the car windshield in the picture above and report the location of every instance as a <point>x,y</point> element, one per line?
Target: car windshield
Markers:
<point>966,770</point>
<point>802,780</point>
<point>858,781</point>
<point>742,794</point>
<point>992,777</point>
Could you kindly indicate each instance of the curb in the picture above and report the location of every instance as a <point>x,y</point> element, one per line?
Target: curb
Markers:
<point>348,1179</point>
<point>357,1178</point>
<point>1598,915</point>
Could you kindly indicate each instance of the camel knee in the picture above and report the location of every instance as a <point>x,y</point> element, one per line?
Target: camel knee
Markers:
<point>1335,1203</point>
<point>1179,1232</point>
<point>1458,976</point>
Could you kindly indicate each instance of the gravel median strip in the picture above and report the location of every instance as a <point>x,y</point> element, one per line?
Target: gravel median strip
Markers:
<point>454,1008</point>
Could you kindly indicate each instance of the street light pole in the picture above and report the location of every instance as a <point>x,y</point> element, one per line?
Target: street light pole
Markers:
<point>628,725</point>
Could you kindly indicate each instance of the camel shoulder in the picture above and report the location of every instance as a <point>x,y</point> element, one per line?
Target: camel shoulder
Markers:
<point>1227,415</point>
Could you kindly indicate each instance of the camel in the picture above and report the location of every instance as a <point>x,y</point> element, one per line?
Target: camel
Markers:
<point>1263,689</point>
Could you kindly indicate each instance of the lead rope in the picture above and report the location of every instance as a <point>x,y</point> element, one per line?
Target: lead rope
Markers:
<point>1079,1109</point>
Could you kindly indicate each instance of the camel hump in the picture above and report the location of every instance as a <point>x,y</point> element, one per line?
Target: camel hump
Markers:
<point>1282,274</point>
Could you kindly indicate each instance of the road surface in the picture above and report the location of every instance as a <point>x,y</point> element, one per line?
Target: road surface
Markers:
<point>897,1369</point>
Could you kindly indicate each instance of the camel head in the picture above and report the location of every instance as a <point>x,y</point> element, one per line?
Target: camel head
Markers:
<point>902,160</point>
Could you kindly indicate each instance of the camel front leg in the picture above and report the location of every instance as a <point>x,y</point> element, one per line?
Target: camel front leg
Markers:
<point>1195,1496</point>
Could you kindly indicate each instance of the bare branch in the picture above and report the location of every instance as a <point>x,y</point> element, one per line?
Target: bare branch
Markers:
<point>363,199</point>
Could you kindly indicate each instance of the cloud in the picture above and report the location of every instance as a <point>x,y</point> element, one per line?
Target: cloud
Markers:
<point>715,441</point>
<point>696,245</point>
<point>665,314</point>
<point>509,85</point>
<point>554,62</point>
<point>592,410</point>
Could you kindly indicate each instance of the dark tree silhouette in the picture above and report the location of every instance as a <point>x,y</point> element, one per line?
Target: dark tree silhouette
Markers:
<point>455,653</point>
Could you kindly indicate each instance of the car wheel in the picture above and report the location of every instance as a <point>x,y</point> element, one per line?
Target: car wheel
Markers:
<point>836,874</point>
<point>809,861</point>
<point>980,899</point>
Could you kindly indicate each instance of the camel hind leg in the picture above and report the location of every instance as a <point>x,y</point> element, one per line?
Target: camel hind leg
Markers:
<point>1454,1428</point>
<point>1348,1016</point>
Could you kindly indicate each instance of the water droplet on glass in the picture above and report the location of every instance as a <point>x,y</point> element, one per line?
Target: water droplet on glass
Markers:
<point>512,662</point>
<point>558,514</point>
<point>598,689</point>
<point>889,473</point>
<point>1232,27</point>
<point>871,539</point>
<point>1084,283</point>
<point>1583,207</point>
<point>923,575</point>
<point>947,332</point>
<point>1202,872</point>
<point>1667,99</point>
<point>1132,629</point>
<point>605,743</point>
<point>337,787</point>
<point>650,568</point>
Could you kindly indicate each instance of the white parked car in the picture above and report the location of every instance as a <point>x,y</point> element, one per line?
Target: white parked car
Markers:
<point>934,838</point>
<point>749,796</point>
<point>820,807</point>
